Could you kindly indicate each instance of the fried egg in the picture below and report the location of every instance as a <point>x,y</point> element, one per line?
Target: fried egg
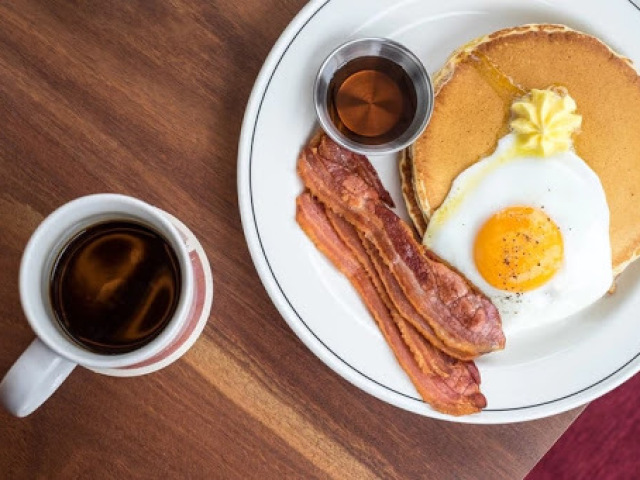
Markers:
<point>532,233</point>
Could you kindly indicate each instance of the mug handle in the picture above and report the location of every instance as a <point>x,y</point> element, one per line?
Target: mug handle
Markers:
<point>33,378</point>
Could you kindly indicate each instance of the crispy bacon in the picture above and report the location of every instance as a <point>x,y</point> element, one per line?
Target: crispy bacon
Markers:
<point>457,392</point>
<point>462,377</point>
<point>462,317</point>
<point>356,164</point>
<point>406,309</point>
<point>369,257</point>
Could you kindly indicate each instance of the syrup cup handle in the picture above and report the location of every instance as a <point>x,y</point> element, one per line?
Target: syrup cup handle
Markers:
<point>33,378</point>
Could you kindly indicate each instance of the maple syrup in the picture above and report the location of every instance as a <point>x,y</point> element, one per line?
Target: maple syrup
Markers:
<point>501,84</point>
<point>372,100</point>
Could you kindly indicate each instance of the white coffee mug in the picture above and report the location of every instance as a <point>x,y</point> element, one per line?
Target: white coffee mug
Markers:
<point>53,355</point>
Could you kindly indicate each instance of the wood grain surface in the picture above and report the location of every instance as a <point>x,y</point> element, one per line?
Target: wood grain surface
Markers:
<point>146,98</point>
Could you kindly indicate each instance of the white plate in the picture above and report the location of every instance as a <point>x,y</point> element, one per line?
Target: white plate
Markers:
<point>548,371</point>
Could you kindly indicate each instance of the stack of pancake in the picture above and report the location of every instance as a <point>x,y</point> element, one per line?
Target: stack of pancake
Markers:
<point>475,89</point>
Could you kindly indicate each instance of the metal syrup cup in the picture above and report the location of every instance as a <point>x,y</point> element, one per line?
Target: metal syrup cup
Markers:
<point>390,50</point>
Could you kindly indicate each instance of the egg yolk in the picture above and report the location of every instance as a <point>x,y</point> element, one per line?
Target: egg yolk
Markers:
<point>518,249</point>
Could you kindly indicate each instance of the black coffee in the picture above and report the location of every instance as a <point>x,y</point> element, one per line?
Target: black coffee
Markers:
<point>115,286</point>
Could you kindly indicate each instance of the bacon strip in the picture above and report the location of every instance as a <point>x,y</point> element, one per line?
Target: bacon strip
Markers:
<point>406,309</point>
<point>448,394</point>
<point>461,316</point>
<point>371,261</point>
<point>355,163</point>
<point>458,375</point>
<point>461,376</point>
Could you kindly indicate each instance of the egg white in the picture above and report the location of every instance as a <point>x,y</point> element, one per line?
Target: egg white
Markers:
<point>568,191</point>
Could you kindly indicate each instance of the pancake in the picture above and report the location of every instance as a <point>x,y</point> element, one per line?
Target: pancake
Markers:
<point>474,91</point>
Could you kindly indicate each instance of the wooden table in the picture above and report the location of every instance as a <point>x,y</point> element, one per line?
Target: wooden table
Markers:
<point>146,98</point>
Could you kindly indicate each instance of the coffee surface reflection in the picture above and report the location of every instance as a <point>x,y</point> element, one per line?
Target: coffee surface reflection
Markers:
<point>115,286</point>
